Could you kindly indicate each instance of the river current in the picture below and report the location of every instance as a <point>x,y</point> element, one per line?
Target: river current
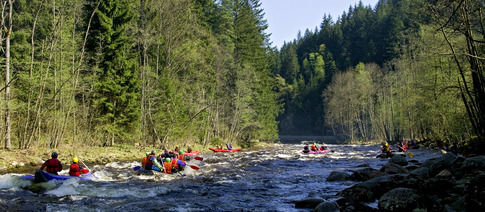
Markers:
<point>265,180</point>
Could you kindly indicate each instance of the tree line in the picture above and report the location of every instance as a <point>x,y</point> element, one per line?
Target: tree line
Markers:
<point>403,69</point>
<point>160,73</point>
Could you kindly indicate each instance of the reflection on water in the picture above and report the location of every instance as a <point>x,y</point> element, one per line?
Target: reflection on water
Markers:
<point>266,180</point>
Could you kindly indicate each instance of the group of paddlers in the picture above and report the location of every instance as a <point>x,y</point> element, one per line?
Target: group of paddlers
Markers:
<point>168,162</point>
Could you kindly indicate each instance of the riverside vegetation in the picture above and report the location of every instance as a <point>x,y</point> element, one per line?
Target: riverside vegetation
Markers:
<point>105,73</point>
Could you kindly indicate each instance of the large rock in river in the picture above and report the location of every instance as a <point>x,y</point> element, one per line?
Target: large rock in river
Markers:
<point>401,199</point>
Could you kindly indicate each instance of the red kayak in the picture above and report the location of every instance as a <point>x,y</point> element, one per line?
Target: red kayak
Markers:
<point>224,150</point>
<point>193,153</point>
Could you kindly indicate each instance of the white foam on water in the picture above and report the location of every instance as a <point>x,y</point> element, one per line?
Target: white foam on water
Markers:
<point>67,187</point>
<point>13,181</point>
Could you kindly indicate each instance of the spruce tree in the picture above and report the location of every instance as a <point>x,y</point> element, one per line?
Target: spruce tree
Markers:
<point>116,97</point>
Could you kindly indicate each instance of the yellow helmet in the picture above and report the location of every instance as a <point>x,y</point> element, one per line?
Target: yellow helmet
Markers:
<point>75,160</point>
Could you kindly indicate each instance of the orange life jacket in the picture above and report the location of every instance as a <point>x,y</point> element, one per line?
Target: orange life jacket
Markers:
<point>75,170</point>
<point>148,161</point>
<point>181,157</point>
<point>168,167</point>
<point>174,163</point>
<point>314,148</point>
<point>144,161</point>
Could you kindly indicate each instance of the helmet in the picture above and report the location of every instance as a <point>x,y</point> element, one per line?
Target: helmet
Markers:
<point>75,160</point>
<point>181,152</point>
<point>387,144</point>
<point>147,153</point>
<point>154,152</point>
<point>189,145</point>
<point>54,155</point>
<point>167,159</point>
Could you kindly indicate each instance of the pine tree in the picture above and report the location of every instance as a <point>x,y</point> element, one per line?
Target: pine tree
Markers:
<point>117,88</point>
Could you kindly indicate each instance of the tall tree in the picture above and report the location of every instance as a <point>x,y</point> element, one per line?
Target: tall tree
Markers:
<point>6,18</point>
<point>117,87</point>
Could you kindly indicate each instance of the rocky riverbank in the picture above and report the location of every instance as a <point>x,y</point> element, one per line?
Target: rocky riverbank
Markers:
<point>446,183</point>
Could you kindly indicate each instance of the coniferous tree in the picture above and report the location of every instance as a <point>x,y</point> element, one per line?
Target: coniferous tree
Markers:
<point>117,87</point>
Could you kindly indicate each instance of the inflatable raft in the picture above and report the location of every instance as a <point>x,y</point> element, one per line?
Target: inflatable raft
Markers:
<point>315,152</point>
<point>224,150</point>
<point>42,176</point>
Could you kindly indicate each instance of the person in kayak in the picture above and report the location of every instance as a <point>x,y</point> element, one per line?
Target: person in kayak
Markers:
<point>314,147</point>
<point>189,150</point>
<point>167,165</point>
<point>152,162</point>
<point>306,148</point>
<point>229,146</point>
<point>75,169</point>
<point>180,161</point>
<point>181,156</point>
<point>323,147</point>
<point>386,149</point>
<point>53,165</point>
<point>144,160</point>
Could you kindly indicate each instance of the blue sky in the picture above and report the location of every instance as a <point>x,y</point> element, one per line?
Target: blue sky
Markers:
<point>287,17</point>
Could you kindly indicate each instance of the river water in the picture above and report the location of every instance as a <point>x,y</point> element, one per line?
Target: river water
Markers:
<point>266,180</point>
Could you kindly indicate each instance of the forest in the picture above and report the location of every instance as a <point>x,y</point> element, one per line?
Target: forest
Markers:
<point>160,73</point>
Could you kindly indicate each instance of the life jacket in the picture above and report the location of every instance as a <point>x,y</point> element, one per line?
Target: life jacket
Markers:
<point>144,161</point>
<point>148,161</point>
<point>314,148</point>
<point>75,170</point>
<point>174,163</point>
<point>181,157</point>
<point>168,167</point>
<point>53,166</point>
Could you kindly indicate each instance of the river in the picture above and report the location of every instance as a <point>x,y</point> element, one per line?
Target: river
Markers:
<point>266,180</point>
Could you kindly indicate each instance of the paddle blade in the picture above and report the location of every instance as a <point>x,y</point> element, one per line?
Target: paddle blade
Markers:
<point>410,154</point>
<point>194,167</point>
<point>136,168</point>
<point>199,158</point>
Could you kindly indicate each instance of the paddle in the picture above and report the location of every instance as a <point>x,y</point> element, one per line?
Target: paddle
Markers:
<point>136,168</point>
<point>194,167</point>
<point>410,154</point>
<point>198,158</point>
<point>88,169</point>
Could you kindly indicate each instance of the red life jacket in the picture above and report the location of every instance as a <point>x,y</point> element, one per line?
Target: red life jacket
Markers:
<point>168,167</point>
<point>314,148</point>
<point>53,166</point>
<point>144,161</point>
<point>75,170</point>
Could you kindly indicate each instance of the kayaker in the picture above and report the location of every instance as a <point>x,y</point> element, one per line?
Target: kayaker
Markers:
<point>401,147</point>
<point>75,169</point>
<point>189,150</point>
<point>314,147</point>
<point>53,165</point>
<point>181,156</point>
<point>167,165</point>
<point>386,149</point>
<point>181,166</point>
<point>152,162</point>
<point>229,146</point>
<point>177,148</point>
<point>323,147</point>
<point>306,148</point>
<point>144,160</point>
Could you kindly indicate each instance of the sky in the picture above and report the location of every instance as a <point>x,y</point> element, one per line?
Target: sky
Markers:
<point>287,17</point>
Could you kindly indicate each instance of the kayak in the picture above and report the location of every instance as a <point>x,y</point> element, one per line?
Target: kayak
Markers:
<point>42,176</point>
<point>193,153</point>
<point>315,152</point>
<point>224,150</point>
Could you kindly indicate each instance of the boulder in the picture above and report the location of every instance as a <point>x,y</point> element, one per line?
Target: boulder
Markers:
<point>401,199</point>
<point>327,207</point>
<point>357,193</point>
<point>421,172</point>
<point>308,203</point>
<point>442,163</point>
<point>365,174</point>
<point>358,207</point>
<point>399,159</point>
<point>393,168</point>
<point>338,176</point>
